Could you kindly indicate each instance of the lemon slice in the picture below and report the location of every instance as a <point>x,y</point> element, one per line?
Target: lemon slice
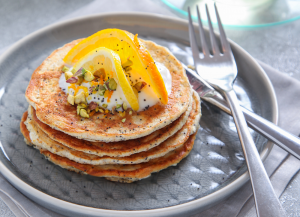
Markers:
<point>103,58</point>
<point>126,45</point>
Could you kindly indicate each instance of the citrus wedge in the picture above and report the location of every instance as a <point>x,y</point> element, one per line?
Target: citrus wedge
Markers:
<point>103,59</point>
<point>126,45</point>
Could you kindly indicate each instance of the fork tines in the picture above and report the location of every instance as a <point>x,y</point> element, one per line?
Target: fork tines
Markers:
<point>214,45</point>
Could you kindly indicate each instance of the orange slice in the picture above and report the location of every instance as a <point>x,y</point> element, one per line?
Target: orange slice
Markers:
<point>103,58</point>
<point>126,45</point>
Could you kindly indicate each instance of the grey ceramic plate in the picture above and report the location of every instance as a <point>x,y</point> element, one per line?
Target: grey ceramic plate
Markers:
<point>214,169</point>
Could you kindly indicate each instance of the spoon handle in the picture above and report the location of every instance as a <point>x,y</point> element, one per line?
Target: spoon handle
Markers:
<point>272,132</point>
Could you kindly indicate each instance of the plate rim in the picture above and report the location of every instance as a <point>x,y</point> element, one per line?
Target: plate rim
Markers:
<point>65,207</point>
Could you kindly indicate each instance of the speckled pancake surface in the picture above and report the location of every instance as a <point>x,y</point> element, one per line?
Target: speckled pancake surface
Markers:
<point>50,102</point>
<point>126,172</point>
<point>114,149</point>
<point>42,140</point>
<point>121,173</point>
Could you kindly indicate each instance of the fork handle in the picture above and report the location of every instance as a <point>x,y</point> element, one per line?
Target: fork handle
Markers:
<point>266,201</point>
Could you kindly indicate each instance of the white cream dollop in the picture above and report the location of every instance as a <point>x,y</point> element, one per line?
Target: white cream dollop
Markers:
<point>165,74</point>
<point>146,96</point>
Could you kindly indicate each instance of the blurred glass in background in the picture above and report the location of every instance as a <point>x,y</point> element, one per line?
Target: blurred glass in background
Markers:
<point>242,13</point>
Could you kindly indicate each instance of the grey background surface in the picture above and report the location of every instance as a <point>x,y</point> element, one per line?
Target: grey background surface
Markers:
<point>277,46</point>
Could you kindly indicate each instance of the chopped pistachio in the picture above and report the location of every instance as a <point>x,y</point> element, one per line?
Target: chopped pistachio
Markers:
<point>88,76</point>
<point>72,80</point>
<point>127,63</point>
<point>124,106</point>
<point>65,69</point>
<point>73,71</point>
<point>68,75</point>
<point>78,108</point>
<point>139,85</point>
<point>96,88</point>
<point>83,113</point>
<point>78,72</point>
<point>130,112</point>
<point>123,120</point>
<point>118,106</point>
<point>104,105</point>
<point>100,73</point>
<point>80,98</point>
<point>111,84</point>
<point>105,86</point>
<point>101,87</point>
<point>101,90</point>
<point>83,71</point>
<point>80,80</point>
<point>71,99</point>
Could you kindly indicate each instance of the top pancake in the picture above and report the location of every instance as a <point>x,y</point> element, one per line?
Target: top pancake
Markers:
<point>50,102</point>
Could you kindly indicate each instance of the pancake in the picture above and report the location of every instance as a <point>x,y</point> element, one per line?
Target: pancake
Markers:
<point>125,173</point>
<point>50,102</point>
<point>115,149</point>
<point>24,129</point>
<point>121,173</point>
<point>40,139</point>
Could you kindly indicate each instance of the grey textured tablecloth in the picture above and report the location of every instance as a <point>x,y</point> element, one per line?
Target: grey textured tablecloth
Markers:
<point>42,13</point>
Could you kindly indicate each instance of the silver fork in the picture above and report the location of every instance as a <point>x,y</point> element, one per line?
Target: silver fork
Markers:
<point>220,71</point>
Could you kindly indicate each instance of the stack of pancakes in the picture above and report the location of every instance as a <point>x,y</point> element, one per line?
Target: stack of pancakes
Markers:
<point>102,145</point>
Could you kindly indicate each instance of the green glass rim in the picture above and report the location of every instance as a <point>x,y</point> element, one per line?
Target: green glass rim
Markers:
<point>185,14</point>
